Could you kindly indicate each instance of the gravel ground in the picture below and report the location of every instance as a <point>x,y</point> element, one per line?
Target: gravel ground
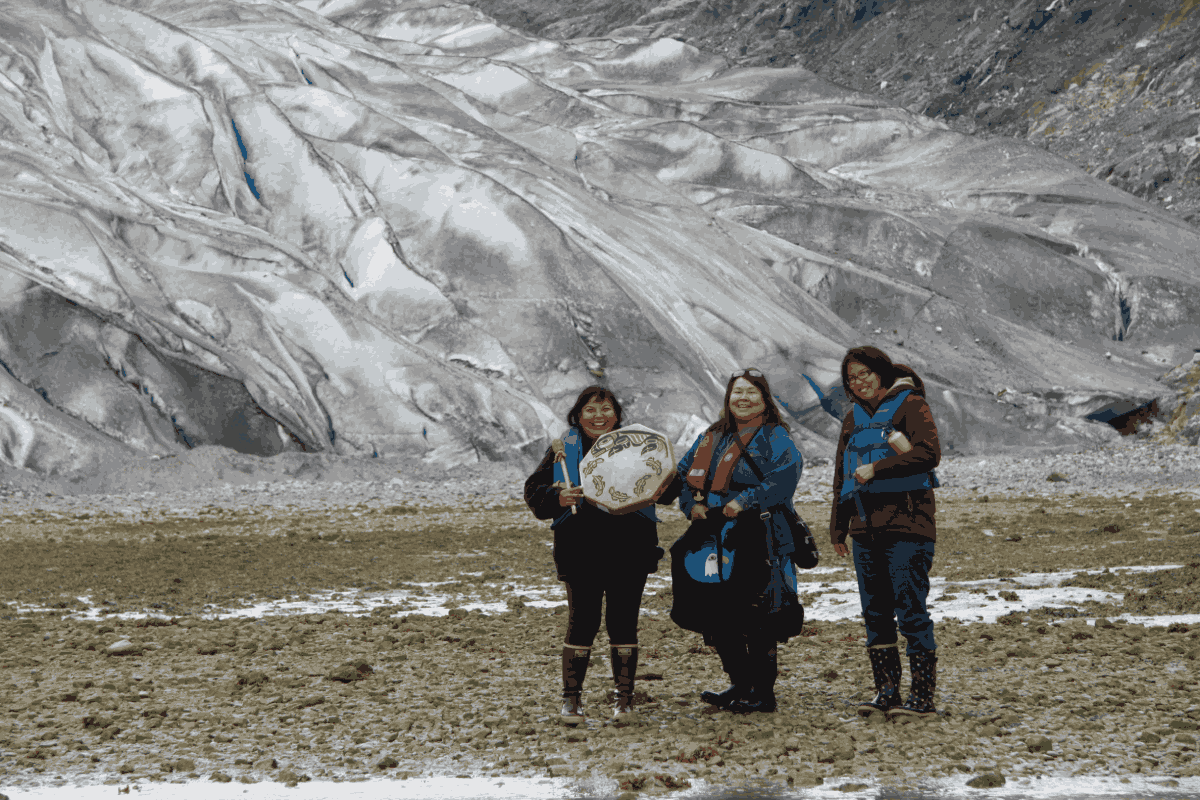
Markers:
<point>201,693</point>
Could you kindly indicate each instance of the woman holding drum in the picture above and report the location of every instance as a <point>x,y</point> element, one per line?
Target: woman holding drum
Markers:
<point>741,474</point>
<point>884,489</point>
<point>598,555</point>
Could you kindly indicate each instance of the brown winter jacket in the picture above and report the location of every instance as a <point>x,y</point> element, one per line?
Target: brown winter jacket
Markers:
<point>904,515</point>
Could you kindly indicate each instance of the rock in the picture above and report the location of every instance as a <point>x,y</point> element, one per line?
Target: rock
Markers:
<point>1185,738</point>
<point>266,764</point>
<point>1101,622</point>
<point>457,613</point>
<point>347,673</point>
<point>842,751</point>
<point>184,765</point>
<point>254,678</point>
<point>988,780</point>
<point>1184,724</point>
<point>290,777</point>
<point>1149,737</point>
<point>96,722</point>
<point>989,730</point>
<point>221,777</point>
<point>1039,744</point>
<point>123,648</point>
<point>1056,477</point>
<point>387,762</point>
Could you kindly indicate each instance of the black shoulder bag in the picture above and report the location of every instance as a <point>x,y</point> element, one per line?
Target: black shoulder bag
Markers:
<point>805,555</point>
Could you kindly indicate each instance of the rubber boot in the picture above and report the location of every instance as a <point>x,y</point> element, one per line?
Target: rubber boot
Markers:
<point>764,666</point>
<point>574,669</point>
<point>885,666</point>
<point>734,662</point>
<point>624,667</point>
<point>923,667</point>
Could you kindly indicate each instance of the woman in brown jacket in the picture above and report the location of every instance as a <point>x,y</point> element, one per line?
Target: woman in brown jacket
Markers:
<point>884,486</point>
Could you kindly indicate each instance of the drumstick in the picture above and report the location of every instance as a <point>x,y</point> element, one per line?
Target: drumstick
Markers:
<point>561,455</point>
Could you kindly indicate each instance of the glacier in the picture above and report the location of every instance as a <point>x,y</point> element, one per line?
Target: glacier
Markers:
<point>393,229</point>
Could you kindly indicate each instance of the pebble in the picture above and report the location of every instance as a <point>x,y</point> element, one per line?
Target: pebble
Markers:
<point>1039,744</point>
<point>123,648</point>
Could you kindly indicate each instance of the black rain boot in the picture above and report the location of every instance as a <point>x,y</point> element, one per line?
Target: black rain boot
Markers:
<point>885,666</point>
<point>574,669</point>
<point>764,658</point>
<point>923,667</point>
<point>734,661</point>
<point>624,667</point>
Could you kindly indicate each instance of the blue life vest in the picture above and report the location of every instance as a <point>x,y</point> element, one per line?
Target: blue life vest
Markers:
<point>573,450</point>
<point>868,444</point>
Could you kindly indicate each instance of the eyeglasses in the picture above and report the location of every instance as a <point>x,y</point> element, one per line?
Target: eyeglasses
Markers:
<point>861,377</point>
<point>738,373</point>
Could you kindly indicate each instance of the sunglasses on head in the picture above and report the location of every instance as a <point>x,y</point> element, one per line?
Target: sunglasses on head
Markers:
<point>738,373</point>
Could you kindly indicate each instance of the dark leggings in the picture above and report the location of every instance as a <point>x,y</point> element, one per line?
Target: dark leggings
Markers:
<point>584,596</point>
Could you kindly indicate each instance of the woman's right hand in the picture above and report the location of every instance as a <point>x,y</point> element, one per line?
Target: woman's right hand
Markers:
<point>570,497</point>
<point>841,549</point>
<point>699,511</point>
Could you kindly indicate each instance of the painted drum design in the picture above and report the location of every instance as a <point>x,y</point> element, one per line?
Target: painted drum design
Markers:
<point>627,469</point>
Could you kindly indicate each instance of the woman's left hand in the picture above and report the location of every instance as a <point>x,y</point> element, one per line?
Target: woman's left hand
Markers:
<point>732,509</point>
<point>864,473</point>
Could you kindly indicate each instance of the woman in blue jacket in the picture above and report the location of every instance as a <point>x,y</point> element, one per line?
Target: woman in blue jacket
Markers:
<point>740,476</point>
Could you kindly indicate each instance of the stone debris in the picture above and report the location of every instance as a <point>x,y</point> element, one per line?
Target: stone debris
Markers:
<point>1039,744</point>
<point>988,780</point>
<point>123,648</point>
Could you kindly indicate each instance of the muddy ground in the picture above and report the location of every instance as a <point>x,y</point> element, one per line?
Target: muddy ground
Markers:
<point>394,693</point>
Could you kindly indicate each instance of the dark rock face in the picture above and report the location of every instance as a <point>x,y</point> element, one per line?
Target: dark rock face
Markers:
<point>398,228</point>
<point>1112,87</point>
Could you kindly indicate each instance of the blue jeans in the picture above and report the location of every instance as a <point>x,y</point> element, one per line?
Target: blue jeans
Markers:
<point>893,585</point>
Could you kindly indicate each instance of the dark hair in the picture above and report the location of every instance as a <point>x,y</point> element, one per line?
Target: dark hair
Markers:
<point>725,422</point>
<point>586,396</point>
<point>878,362</point>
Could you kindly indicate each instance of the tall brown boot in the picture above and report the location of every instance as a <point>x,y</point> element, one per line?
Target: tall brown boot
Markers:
<point>574,669</point>
<point>624,667</point>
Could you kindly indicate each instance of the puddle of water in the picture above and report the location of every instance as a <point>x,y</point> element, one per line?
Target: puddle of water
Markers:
<point>831,601</point>
<point>839,600</point>
<point>1047,788</point>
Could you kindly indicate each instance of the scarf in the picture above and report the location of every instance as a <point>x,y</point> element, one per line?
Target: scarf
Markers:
<point>703,461</point>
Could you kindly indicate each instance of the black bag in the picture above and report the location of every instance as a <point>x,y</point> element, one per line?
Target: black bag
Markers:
<point>784,617</point>
<point>805,555</point>
<point>701,572</point>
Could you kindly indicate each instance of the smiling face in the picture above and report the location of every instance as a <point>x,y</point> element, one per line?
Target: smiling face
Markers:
<point>597,417</point>
<point>865,384</point>
<point>745,400</point>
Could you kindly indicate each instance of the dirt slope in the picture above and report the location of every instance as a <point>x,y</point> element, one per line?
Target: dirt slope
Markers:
<point>1111,86</point>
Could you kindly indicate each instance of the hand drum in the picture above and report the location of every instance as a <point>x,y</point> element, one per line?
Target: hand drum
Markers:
<point>627,469</point>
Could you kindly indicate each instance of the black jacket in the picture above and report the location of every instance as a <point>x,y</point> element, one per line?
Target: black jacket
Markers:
<point>593,543</point>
